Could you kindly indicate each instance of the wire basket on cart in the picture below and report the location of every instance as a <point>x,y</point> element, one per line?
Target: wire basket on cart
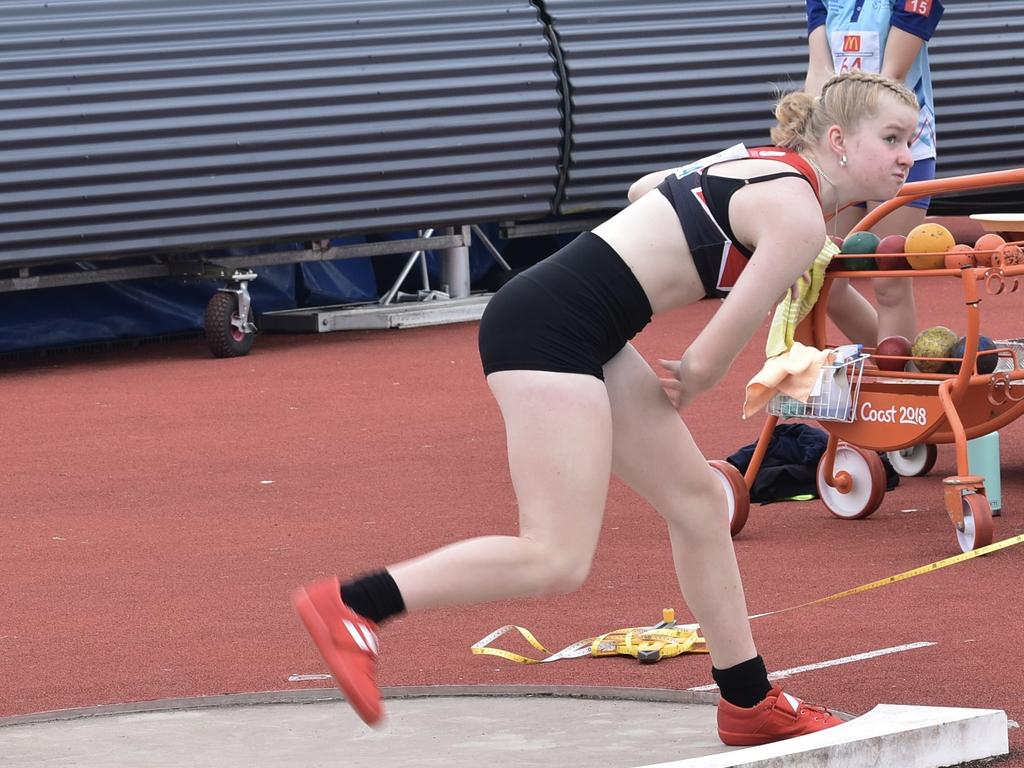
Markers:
<point>833,397</point>
<point>1005,362</point>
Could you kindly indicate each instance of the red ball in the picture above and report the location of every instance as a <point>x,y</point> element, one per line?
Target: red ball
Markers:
<point>893,246</point>
<point>892,345</point>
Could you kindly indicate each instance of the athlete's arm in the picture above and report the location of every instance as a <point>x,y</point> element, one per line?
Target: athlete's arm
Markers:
<point>782,220</point>
<point>900,51</point>
<point>819,60</point>
<point>645,184</point>
<point>912,25</point>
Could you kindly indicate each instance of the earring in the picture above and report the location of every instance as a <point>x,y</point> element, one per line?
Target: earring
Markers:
<point>843,161</point>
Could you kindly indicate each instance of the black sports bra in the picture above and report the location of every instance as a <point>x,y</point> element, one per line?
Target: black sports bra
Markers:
<point>718,191</point>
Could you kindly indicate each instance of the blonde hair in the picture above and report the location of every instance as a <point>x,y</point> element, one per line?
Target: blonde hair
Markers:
<point>844,101</point>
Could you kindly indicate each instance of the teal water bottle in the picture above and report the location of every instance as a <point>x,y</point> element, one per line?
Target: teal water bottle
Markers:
<point>983,460</point>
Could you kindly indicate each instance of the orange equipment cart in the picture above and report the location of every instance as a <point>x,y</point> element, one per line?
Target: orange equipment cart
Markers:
<point>896,410</point>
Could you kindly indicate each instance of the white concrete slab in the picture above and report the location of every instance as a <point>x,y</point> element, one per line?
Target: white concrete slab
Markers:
<point>433,727</point>
<point>474,726</point>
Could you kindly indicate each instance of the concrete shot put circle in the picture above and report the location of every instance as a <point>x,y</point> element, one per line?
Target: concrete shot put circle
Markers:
<point>459,727</point>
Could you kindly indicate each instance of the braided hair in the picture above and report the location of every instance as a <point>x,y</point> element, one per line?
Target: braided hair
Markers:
<point>845,99</point>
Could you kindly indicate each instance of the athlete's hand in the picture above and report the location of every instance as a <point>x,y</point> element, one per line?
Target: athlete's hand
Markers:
<point>796,288</point>
<point>672,385</point>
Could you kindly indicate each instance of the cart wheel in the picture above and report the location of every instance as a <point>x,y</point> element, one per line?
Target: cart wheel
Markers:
<point>867,475</point>
<point>223,336</point>
<point>977,532</point>
<point>736,492</point>
<point>913,461</point>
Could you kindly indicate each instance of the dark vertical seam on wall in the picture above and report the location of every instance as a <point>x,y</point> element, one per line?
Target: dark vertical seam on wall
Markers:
<point>563,85</point>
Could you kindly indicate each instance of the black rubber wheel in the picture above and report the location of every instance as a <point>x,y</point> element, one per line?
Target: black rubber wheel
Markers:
<point>224,339</point>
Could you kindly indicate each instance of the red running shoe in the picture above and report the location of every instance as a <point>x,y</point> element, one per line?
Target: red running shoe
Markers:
<point>347,642</point>
<point>779,716</point>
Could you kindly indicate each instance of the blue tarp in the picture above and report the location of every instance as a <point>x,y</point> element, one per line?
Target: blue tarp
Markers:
<point>81,314</point>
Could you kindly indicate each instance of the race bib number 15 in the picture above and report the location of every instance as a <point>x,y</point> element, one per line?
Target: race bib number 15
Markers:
<point>920,7</point>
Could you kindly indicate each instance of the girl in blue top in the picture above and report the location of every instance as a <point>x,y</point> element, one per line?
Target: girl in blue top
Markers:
<point>889,37</point>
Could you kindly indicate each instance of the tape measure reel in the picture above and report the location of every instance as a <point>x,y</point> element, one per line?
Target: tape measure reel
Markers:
<point>647,645</point>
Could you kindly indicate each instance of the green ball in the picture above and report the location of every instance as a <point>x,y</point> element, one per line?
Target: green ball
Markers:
<point>859,242</point>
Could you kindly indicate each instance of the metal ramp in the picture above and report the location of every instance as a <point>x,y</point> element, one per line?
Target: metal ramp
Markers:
<point>370,316</point>
<point>428,306</point>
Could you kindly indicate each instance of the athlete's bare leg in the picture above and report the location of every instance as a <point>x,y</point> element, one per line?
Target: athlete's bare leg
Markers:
<point>559,436</point>
<point>655,454</point>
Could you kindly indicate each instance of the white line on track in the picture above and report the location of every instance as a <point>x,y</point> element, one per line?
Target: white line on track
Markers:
<point>831,663</point>
<point>294,678</point>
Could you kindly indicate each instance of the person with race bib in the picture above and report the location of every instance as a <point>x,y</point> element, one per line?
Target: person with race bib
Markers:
<point>890,37</point>
<point>580,404</point>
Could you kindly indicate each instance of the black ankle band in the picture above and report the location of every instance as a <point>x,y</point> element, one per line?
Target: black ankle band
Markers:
<point>374,596</point>
<point>745,684</point>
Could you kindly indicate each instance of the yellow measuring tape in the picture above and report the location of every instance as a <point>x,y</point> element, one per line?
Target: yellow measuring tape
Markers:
<point>646,644</point>
<point>667,639</point>
<point>906,574</point>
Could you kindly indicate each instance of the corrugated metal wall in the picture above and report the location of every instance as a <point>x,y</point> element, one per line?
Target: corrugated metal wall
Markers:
<point>152,125</point>
<point>978,76</point>
<point>141,125</point>
<point>654,84</point>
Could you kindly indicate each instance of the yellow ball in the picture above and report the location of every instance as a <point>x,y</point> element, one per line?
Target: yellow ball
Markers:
<point>927,244</point>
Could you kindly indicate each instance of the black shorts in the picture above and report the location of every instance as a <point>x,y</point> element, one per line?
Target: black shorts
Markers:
<point>570,313</point>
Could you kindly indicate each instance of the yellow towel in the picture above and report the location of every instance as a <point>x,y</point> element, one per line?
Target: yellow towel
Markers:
<point>793,373</point>
<point>790,312</point>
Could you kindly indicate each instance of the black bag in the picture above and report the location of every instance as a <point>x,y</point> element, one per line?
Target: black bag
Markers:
<point>790,465</point>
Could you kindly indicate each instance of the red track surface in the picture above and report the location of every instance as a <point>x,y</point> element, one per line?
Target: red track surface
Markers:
<point>146,554</point>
